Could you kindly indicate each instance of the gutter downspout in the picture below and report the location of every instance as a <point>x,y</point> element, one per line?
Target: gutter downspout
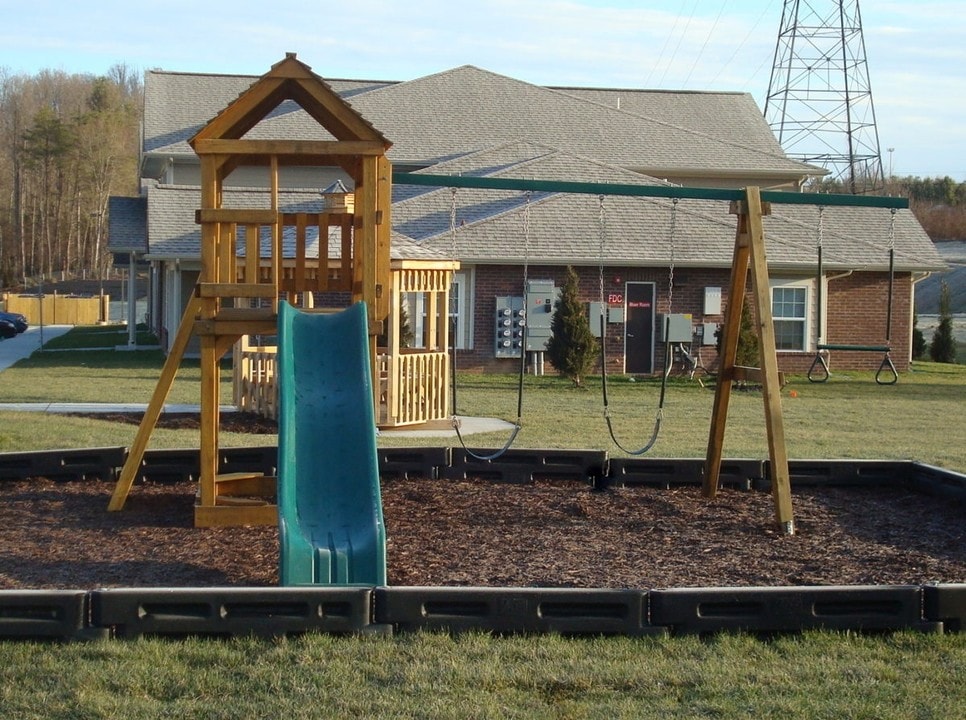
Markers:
<point>131,301</point>
<point>826,279</point>
<point>916,279</point>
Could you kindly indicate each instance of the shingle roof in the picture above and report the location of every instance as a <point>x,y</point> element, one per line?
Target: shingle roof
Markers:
<point>442,116</point>
<point>127,224</point>
<point>482,123</point>
<point>558,228</point>
<point>491,226</point>
<point>728,116</point>
<point>466,109</point>
<point>178,105</point>
<point>175,235</point>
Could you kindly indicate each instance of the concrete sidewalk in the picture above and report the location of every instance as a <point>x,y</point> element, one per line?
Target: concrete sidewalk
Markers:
<point>26,343</point>
<point>437,428</point>
<point>87,407</point>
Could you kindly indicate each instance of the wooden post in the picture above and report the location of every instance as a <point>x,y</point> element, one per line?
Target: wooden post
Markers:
<point>383,198</point>
<point>750,248</point>
<point>729,351</point>
<point>211,267</point>
<point>153,412</point>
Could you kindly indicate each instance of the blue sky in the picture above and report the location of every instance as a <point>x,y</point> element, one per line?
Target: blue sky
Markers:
<point>916,50</point>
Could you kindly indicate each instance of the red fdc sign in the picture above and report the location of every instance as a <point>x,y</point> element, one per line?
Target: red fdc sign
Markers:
<point>615,299</point>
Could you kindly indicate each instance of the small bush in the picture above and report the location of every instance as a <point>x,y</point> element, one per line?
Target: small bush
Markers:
<point>943,347</point>
<point>572,347</point>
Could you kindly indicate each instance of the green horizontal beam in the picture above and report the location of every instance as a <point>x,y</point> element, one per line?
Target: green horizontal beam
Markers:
<point>661,191</point>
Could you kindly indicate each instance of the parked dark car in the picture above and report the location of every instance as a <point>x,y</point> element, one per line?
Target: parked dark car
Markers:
<point>16,319</point>
<point>7,329</point>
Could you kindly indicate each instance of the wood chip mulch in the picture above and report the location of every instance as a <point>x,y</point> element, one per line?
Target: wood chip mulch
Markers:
<point>480,533</point>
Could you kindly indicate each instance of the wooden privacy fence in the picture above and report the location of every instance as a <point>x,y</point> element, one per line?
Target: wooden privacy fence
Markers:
<point>54,309</point>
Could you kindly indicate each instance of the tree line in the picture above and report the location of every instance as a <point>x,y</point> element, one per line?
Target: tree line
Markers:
<point>70,141</point>
<point>67,143</point>
<point>939,203</point>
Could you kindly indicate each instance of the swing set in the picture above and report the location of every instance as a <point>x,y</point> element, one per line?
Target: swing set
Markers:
<point>749,260</point>
<point>518,425</point>
<point>659,416</point>
<point>819,371</point>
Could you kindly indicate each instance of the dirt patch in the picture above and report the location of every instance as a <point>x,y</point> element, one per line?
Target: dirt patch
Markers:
<point>238,422</point>
<point>546,534</point>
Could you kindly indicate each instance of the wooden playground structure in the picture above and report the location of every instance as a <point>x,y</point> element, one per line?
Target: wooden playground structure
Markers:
<point>244,273</point>
<point>237,293</point>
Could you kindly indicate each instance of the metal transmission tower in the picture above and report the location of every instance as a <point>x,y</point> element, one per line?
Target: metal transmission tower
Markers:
<point>819,102</point>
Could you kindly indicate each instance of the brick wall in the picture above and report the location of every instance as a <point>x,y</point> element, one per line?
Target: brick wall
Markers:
<point>857,309</point>
<point>856,315</point>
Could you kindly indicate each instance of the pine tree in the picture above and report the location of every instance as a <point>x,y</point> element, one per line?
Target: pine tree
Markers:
<point>572,348</point>
<point>943,347</point>
<point>747,353</point>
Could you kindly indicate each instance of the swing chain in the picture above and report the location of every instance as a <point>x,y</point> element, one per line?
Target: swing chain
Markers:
<point>455,419</point>
<point>600,239</point>
<point>526,245</point>
<point>892,229</point>
<point>670,272</point>
<point>452,222</point>
<point>659,415</point>
<point>821,225</point>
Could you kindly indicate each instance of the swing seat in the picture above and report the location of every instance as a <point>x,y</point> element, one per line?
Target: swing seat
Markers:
<point>885,375</point>
<point>855,348</point>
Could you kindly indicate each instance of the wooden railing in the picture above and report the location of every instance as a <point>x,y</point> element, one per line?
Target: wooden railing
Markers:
<point>418,392</point>
<point>256,386</point>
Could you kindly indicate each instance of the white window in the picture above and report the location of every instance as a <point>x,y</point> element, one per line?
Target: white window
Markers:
<point>791,312</point>
<point>461,309</point>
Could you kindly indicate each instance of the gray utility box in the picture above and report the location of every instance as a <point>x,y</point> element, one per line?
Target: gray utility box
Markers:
<point>542,297</point>
<point>678,328</point>
<point>708,331</point>
<point>509,326</point>
<point>615,314</point>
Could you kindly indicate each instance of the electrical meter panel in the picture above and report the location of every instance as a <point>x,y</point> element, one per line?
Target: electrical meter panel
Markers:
<point>510,325</point>
<point>542,296</point>
<point>614,314</point>
<point>678,328</point>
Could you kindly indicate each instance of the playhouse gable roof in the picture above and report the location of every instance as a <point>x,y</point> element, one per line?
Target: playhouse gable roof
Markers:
<point>290,80</point>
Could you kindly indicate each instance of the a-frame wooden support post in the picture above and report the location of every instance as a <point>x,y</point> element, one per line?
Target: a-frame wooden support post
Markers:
<point>750,252</point>
<point>150,420</point>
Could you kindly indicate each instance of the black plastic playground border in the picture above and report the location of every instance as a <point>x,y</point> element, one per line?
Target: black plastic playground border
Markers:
<point>64,615</point>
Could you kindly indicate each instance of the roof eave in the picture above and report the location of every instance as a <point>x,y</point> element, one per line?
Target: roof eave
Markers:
<point>757,174</point>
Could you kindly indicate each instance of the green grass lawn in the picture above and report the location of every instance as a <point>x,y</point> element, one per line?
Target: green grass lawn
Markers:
<point>100,336</point>
<point>815,675</point>
<point>848,417</point>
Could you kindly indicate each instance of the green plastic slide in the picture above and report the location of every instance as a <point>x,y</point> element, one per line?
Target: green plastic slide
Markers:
<point>331,529</point>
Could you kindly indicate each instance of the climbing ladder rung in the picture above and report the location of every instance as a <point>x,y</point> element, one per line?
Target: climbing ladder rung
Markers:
<point>245,483</point>
<point>239,321</point>
<point>237,290</point>
<point>241,216</point>
<point>234,515</point>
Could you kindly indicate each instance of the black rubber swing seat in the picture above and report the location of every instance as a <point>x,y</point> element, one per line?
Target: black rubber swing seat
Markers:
<point>855,348</point>
<point>886,374</point>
